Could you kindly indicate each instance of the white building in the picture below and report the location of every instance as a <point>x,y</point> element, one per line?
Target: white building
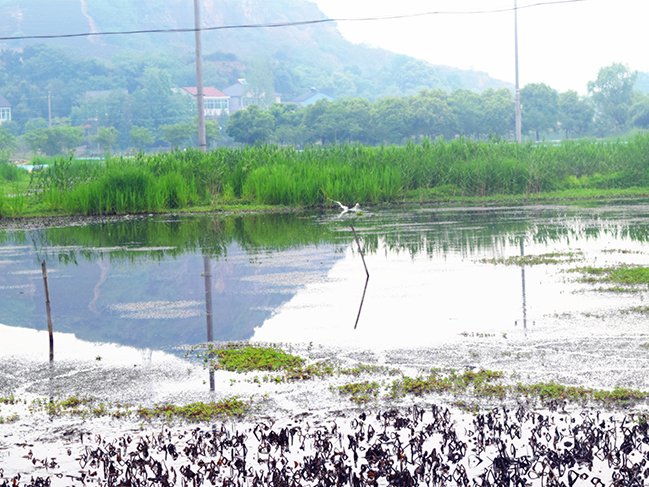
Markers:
<point>5,110</point>
<point>215,102</point>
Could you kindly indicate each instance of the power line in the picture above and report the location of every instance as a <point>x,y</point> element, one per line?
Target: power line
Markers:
<point>288,24</point>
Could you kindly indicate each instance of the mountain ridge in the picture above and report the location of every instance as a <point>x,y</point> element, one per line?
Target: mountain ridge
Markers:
<point>314,51</point>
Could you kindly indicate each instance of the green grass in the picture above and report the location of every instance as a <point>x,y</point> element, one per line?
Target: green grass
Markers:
<point>624,278</point>
<point>251,358</point>
<point>199,411</point>
<point>361,392</point>
<point>550,258</point>
<point>456,171</point>
<point>489,384</point>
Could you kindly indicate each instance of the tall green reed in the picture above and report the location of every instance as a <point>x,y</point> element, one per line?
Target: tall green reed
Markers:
<point>350,173</point>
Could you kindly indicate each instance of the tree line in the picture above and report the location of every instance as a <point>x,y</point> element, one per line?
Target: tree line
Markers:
<point>149,113</point>
<point>610,108</point>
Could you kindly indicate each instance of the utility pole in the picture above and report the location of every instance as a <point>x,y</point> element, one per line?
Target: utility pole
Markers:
<point>517,94</point>
<point>49,107</point>
<point>202,141</point>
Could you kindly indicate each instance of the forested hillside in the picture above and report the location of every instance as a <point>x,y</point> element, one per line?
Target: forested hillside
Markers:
<point>300,56</point>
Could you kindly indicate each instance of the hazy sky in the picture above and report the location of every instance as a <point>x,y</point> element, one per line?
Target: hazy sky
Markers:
<point>562,45</point>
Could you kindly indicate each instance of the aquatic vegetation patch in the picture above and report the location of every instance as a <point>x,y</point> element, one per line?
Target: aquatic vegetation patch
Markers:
<point>9,400</point>
<point>12,418</point>
<point>620,251</point>
<point>198,411</point>
<point>489,384</point>
<point>83,406</point>
<point>361,392</point>
<point>639,309</point>
<point>626,277</point>
<point>473,334</point>
<point>451,381</point>
<point>245,358</point>
<point>543,259</point>
<point>359,369</point>
<point>550,391</point>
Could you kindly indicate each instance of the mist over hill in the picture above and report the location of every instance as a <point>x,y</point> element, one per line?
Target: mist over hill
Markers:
<point>300,56</point>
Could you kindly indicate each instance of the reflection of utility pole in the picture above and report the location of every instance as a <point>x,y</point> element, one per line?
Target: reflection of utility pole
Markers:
<point>207,273</point>
<point>48,309</point>
<point>49,107</point>
<point>524,296</point>
<point>517,93</point>
<point>202,141</point>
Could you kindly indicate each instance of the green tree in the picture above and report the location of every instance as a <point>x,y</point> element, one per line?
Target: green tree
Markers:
<point>498,111</point>
<point>417,74</point>
<point>212,133</point>
<point>430,115</point>
<point>358,116</point>
<point>7,140</point>
<point>287,120</point>
<point>141,138</point>
<point>176,134</point>
<point>106,138</point>
<point>7,144</point>
<point>250,126</point>
<point>260,85</point>
<point>389,119</point>
<point>575,113</point>
<point>313,123</point>
<point>465,105</point>
<point>54,140</point>
<point>612,93</point>
<point>640,110</point>
<point>114,109</point>
<point>539,108</point>
<point>156,104</point>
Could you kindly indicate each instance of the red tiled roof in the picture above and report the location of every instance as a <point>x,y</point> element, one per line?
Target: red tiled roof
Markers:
<point>207,91</point>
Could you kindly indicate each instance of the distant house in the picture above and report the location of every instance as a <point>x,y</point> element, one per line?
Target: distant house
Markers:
<point>240,97</point>
<point>215,102</point>
<point>5,110</point>
<point>310,97</point>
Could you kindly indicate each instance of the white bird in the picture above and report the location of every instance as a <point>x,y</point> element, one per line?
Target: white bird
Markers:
<point>347,209</point>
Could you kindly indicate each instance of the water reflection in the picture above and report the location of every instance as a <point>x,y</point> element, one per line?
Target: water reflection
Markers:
<point>296,277</point>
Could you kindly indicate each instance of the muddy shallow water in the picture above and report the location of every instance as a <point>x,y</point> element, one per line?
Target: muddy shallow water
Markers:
<point>128,297</point>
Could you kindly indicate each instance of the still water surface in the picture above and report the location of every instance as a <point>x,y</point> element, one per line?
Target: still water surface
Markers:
<point>300,278</point>
<point>133,291</point>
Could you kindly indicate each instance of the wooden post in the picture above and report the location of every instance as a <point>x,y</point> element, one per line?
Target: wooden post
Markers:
<point>49,311</point>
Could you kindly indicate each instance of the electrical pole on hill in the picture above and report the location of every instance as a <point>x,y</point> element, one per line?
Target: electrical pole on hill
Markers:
<point>517,93</point>
<point>202,140</point>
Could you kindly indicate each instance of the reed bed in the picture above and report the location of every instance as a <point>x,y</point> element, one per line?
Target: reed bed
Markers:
<point>273,175</point>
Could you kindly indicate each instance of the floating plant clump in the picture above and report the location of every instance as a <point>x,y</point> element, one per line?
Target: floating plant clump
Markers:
<point>546,259</point>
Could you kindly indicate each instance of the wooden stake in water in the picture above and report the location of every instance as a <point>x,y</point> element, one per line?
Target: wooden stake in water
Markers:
<point>367,273</point>
<point>49,311</point>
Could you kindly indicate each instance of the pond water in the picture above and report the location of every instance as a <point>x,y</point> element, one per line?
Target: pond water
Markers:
<point>300,278</point>
<point>128,296</point>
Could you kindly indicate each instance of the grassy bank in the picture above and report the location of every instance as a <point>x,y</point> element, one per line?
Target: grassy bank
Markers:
<point>271,175</point>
